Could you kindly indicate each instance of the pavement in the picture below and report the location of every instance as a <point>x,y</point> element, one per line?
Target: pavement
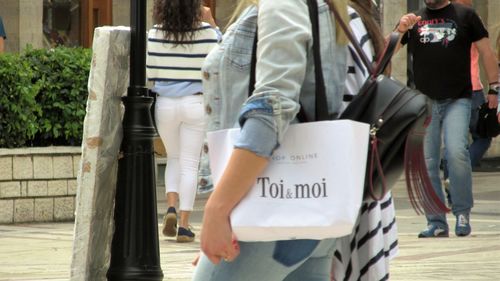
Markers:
<point>43,251</point>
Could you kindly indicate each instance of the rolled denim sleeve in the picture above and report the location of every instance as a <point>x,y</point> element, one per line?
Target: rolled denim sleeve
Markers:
<point>284,41</point>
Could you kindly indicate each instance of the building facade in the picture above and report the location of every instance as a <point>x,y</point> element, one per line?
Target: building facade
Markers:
<point>46,23</point>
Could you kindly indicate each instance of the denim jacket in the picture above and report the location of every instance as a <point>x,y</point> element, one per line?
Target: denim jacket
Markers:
<point>226,72</point>
<point>284,72</point>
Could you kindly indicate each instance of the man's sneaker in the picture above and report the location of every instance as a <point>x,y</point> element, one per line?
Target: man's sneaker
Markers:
<point>185,235</point>
<point>433,231</point>
<point>170,223</point>
<point>462,228</point>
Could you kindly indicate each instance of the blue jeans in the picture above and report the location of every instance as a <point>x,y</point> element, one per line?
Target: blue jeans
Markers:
<point>479,145</point>
<point>450,118</point>
<point>292,260</point>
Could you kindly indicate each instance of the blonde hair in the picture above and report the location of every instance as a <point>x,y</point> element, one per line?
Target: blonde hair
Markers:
<point>341,6</point>
<point>240,7</point>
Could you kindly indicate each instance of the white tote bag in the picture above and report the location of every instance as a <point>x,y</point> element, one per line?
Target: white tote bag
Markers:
<point>312,188</point>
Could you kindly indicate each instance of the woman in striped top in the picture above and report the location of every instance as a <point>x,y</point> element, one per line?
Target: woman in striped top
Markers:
<point>184,34</point>
<point>365,254</point>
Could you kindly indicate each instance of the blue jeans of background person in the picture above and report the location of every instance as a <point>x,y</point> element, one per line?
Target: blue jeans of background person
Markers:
<point>291,260</point>
<point>450,119</point>
<point>479,145</point>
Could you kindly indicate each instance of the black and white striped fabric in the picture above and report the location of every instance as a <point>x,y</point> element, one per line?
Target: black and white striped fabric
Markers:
<point>356,71</point>
<point>168,60</point>
<point>365,254</point>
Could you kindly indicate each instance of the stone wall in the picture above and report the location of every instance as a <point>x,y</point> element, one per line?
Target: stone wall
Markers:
<point>38,184</point>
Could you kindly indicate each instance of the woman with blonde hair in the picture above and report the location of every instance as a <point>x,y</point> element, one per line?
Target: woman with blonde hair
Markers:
<point>284,75</point>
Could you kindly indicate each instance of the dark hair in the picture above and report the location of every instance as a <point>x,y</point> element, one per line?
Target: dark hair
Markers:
<point>371,19</point>
<point>177,18</point>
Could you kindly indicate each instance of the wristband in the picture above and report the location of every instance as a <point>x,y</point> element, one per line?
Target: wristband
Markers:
<point>494,88</point>
<point>396,28</point>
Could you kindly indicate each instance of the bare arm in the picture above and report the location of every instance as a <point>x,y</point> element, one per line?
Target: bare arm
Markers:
<point>206,16</point>
<point>1,45</point>
<point>490,65</point>
<point>405,23</point>
<point>239,176</point>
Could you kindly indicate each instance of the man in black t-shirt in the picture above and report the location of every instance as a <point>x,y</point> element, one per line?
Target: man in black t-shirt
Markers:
<point>439,37</point>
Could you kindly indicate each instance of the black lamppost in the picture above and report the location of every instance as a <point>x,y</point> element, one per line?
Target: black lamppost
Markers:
<point>134,251</point>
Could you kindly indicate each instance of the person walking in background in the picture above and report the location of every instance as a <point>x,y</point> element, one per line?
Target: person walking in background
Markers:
<point>439,38</point>
<point>365,253</point>
<point>184,34</point>
<point>3,36</point>
<point>479,145</point>
<point>284,74</point>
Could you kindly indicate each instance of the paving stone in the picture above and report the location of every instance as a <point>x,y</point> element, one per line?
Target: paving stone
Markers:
<point>72,187</point>
<point>63,167</point>
<point>37,188</point>
<point>57,187</point>
<point>22,167</point>
<point>6,168</point>
<point>6,210</point>
<point>23,210</point>
<point>10,189</point>
<point>43,167</point>
<point>76,164</point>
<point>24,188</point>
<point>64,208</point>
<point>44,209</point>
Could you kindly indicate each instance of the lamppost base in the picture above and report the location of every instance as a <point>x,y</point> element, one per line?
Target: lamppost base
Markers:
<point>135,274</point>
<point>135,246</point>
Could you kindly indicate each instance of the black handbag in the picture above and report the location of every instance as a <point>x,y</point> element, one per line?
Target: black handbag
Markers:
<point>397,115</point>
<point>487,122</point>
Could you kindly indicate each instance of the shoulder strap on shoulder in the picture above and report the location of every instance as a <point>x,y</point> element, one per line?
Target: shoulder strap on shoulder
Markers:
<point>321,103</point>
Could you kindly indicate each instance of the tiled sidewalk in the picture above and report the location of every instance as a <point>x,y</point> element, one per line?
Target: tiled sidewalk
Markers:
<point>43,251</point>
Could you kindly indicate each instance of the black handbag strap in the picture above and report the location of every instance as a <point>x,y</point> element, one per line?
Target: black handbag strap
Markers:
<point>321,103</point>
<point>384,58</point>
<point>251,82</point>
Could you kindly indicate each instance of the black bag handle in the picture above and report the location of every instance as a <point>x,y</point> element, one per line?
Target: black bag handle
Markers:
<point>385,56</point>
<point>321,102</point>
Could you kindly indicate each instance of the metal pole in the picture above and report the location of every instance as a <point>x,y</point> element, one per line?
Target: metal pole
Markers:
<point>135,251</point>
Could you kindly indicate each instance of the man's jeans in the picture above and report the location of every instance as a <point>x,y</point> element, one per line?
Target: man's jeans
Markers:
<point>450,118</point>
<point>479,145</point>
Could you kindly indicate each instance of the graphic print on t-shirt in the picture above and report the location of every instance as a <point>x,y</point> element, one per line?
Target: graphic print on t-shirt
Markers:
<point>437,31</point>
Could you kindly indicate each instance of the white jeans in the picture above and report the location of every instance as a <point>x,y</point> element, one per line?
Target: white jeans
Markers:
<point>181,125</point>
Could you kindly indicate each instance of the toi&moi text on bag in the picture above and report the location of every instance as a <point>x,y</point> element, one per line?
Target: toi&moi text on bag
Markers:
<point>312,187</point>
